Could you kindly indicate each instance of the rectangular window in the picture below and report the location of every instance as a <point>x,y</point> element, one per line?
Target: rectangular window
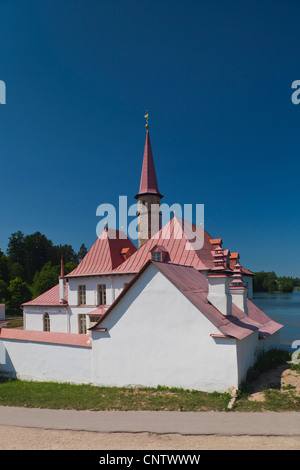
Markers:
<point>46,322</point>
<point>81,295</point>
<point>156,256</point>
<point>82,324</point>
<point>101,294</point>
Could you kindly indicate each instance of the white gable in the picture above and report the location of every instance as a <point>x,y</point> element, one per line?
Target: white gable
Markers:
<point>155,335</point>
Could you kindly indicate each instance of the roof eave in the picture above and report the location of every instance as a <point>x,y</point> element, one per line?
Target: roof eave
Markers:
<point>148,193</point>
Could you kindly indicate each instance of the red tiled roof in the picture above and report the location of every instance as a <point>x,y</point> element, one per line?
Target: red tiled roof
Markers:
<point>148,183</point>
<point>174,237</point>
<point>71,339</point>
<point>49,298</point>
<point>268,326</point>
<point>105,255</point>
<point>98,311</point>
<point>194,286</point>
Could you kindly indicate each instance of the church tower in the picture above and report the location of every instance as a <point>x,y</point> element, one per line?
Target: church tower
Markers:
<point>148,197</point>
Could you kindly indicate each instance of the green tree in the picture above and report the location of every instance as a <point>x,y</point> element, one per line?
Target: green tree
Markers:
<point>16,270</point>
<point>4,293</point>
<point>82,252</point>
<point>48,277</point>
<point>4,270</point>
<point>66,251</point>
<point>69,267</point>
<point>272,285</point>
<point>285,284</point>
<point>15,250</point>
<point>38,250</point>
<point>19,293</point>
<point>45,279</point>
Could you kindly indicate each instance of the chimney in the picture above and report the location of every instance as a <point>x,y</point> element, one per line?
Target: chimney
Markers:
<point>238,289</point>
<point>62,283</point>
<point>219,283</point>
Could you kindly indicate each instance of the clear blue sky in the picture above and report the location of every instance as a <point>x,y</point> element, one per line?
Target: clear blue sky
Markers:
<point>216,77</point>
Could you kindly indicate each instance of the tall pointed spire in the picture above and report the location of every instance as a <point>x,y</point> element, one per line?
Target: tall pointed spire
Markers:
<point>148,197</point>
<point>148,183</point>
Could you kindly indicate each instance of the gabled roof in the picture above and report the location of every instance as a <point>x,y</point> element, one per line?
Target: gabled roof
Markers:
<point>180,239</point>
<point>148,183</point>
<point>49,298</point>
<point>194,286</point>
<point>105,255</point>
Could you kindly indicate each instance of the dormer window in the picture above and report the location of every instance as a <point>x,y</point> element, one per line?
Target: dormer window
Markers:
<point>159,253</point>
<point>126,252</point>
<point>156,256</point>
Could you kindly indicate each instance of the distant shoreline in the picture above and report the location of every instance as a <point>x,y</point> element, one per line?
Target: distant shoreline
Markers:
<point>276,292</point>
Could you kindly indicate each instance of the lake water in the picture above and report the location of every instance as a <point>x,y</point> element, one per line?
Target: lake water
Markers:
<point>285,309</point>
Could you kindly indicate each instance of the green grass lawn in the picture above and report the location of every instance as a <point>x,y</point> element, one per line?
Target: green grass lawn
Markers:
<point>88,397</point>
<point>14,322</point>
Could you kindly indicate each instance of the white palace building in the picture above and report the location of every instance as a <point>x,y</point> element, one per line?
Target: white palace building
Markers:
<point>162,314</point>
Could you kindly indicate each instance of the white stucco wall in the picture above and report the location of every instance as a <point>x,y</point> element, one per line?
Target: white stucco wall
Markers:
<point>247,352</point>
<point>45,362</point>
<point>157,337</point>
<point>114,286</point>
<point>270,342</point>
<point>33,318</point>
<point>65,319</point>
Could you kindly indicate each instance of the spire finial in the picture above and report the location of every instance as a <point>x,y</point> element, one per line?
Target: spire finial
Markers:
<point>147,119</point>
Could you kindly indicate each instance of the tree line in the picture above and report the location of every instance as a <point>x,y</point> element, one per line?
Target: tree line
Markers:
<point>269,282</point>
<point>31,266</point>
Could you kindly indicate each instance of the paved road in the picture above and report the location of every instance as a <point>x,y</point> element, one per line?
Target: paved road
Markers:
<point>160,422</point>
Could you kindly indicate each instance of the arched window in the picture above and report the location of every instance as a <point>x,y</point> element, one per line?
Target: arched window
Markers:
<point>46,321</point>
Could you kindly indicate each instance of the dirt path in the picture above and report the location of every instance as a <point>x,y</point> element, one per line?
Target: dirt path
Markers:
<point>15,438</point>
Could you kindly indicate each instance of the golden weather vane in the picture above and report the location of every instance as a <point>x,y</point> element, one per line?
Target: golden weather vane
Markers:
<point>147,119</point>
